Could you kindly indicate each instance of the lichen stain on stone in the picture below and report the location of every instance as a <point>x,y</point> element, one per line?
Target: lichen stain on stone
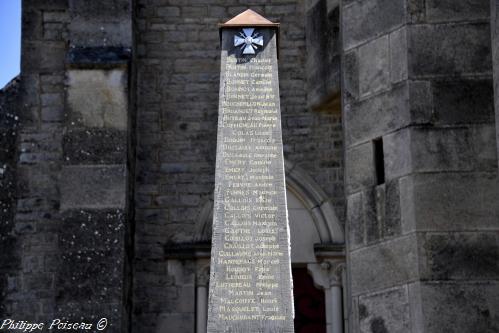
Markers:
<point>378,325</point>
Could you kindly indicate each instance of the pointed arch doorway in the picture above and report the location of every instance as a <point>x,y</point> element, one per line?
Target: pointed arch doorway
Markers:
<point>317,257</point>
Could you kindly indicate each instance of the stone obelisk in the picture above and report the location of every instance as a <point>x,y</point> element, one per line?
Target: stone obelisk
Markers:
<point>250,279</point>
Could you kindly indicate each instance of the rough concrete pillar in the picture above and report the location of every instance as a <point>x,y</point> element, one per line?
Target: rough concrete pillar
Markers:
<point>420,155</point>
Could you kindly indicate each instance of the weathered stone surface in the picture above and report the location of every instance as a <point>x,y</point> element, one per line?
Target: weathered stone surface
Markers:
<point>461,256</point>
<point>104,56</point>
<point>374,214</point>
<point>95,146</point>
<point>93,186</point>
<point>182,322</point>
<point>377,16</point>
<point>379,114</point>
<point>390,269</point>
<point>494,22</point>
<point>470,307</point>
<point>10,249</point>
<point>359,162</point>
<point>100,23</point>
<point>374,66</point>
<point>398,55</point>
<point>350,76</point>
<point>107,106</point>
<point>391,225</point>
<point>449,49</point>
<point>453,149</point>
<point>387,311</point>
<point>89,274</point>
<point>431,149</point>
<point>463,101</point>
<point>397,154</point>
<point>87,230</point>
<point>46,56</point>
<point>448,10</point>
<point>323,57</point>
<point>355,221</point>
<point>421,102</point>
<point>424,210</point>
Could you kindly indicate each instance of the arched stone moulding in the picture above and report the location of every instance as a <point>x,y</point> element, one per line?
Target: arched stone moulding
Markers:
<point>307,191</point>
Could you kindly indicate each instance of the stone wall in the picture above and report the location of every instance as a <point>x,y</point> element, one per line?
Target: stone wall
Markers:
<point>323,54</point>
<point>420,155</point>
<point>10,252</point>
<point>71,163</point>
<point>178,68</point>
<point>494,27</point>
<point>420,137</point>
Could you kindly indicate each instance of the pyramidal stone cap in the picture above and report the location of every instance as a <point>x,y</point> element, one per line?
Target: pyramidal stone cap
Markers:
<point>248,18</point>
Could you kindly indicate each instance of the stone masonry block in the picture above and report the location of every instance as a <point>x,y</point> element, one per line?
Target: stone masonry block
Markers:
<point>453,149</point>
<point>351,75</point>
<point>451,10</point>
<point>93,186</point>
<point>425,149</point>
<point>416,11</point>
<point>377,16</point>
<point>398,55</point>
<point>86,230</point>
<point>448,202</point>
<point>91,275</point>
<point>470,307</point>
<point>95,146</point>
<point>183,322</point>
<point>98,98</point>
<point>391,267</point>
<point>461,256</point>
<point>397,154</point>
<point>42,56</point>
<point>463,101</point>
<point>377,115</point>
<point>449,49</point>
<point>355,221</point>
<point>373,208</point>
<point>99,23</point>
<point>359,167</point>
<point>420,102</point>
<point>387,311</point>
<point>93,32</point>
<point>374,66</point>
<point>391,225</point>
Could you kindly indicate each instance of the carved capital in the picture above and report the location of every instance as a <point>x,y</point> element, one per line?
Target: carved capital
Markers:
<point>327,273</point>
<point>203,273</point>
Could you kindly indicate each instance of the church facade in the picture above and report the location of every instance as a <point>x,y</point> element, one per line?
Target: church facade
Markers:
<point>389,115</point>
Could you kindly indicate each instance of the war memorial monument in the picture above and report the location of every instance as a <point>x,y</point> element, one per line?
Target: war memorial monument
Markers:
<point>250,288</point>
<point>158,173</point>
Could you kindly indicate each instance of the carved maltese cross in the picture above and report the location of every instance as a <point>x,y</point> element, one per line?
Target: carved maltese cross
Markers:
<point>249,40</point>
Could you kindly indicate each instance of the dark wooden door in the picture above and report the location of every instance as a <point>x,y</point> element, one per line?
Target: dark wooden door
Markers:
<point>310,306</point>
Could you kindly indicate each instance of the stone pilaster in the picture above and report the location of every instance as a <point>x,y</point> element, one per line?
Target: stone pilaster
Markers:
<point>72,163</point>
<point>96,163</point>
<point>421,153</point>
